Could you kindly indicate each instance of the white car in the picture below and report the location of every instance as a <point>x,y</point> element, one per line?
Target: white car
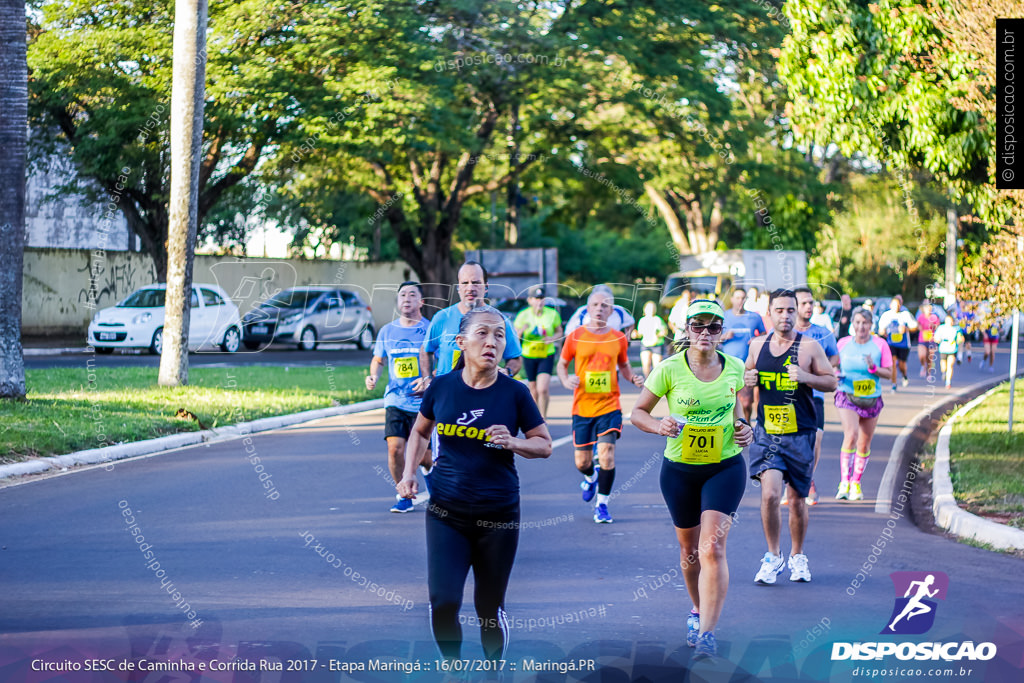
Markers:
<point>138,321</point>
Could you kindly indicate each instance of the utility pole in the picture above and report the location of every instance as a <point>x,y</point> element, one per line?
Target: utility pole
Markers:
<point>952,221</point>
<point>1014,337</point>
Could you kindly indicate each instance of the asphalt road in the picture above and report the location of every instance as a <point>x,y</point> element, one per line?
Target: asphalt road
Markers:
<point>276,575</point>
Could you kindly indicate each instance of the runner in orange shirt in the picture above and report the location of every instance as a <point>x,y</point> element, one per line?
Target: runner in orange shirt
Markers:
<point>600,355</point>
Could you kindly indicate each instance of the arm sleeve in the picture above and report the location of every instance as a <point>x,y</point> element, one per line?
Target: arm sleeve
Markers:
<point>759,326</point>
<point>427,404</point>
<point>520,318</point>
<point>623,349</point>
<point>843,342</point>
<point>432,342</point>
<point>512,347</point>
<point>569,348</point>
<point>558,319</point>
<point>527,413</point>
<point>378,346</point>
<point>886,361</point>
<point>829,344</point>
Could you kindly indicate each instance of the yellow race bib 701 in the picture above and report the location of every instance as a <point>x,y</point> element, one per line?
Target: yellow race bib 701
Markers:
<point>702,445</point>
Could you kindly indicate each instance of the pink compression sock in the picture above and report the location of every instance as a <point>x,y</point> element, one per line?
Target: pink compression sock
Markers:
<point>859,463</point>
<point>844,463</point>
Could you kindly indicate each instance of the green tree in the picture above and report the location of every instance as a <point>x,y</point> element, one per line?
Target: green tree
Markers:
<point>882,81</point>
<point>101,85</point>
<point>883,241</point>
<point>455,110</point>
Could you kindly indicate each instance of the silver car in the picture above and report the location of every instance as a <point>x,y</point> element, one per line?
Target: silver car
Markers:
<point>306,316</point>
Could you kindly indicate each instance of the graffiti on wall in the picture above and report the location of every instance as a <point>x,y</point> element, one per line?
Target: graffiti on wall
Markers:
<point>109,283</point>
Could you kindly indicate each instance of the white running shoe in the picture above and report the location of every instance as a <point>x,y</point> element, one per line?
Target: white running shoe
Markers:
<point>798,570</point>
<point>771,566</point>
<point>844,490</point>
<point>855,492</point>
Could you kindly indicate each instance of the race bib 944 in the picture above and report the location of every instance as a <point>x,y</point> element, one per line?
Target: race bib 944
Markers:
<point>597,382</point>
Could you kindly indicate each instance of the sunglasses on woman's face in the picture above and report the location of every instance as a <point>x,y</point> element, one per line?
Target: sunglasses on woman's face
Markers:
<point>712,328</point>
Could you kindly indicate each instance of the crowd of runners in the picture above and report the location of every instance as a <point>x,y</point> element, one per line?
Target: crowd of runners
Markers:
<point>754,375</point>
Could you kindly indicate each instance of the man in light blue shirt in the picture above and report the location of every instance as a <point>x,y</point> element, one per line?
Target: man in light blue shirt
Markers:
<point>444,327</point>
<point>397,348</point>
<point>827,339</point>
<point>740,326</point>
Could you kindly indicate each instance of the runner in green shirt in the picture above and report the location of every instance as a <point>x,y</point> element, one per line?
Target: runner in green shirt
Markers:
<point>703,474</point>
<point>539,326</point>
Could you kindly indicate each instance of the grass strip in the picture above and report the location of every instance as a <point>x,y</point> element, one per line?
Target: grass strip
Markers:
<point>987,462</point>
<point>72,409</point>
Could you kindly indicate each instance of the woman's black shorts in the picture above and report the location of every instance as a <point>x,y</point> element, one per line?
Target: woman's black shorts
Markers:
<point>689,490</point>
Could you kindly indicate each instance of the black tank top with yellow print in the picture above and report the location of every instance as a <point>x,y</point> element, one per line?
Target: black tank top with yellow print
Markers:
<point>783,406</point>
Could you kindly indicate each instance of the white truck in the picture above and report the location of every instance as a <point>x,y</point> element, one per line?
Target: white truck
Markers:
<point>715,272</point>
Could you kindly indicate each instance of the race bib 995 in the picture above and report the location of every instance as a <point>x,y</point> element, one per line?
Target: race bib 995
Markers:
<point>780,419</point>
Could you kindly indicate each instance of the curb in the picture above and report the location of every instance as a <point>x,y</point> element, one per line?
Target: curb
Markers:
<point>912,438</point>
<point>55,351</point>
<point>93,456</point>
<point>949,515</point>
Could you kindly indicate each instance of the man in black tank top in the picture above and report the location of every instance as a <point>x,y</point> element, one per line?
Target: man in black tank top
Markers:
<point>784,367</point>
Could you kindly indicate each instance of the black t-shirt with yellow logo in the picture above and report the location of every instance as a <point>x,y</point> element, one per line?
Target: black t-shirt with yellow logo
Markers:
<point>470,472</point>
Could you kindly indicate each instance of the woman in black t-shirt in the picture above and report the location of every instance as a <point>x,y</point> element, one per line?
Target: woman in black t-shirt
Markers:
<point>473,515</point>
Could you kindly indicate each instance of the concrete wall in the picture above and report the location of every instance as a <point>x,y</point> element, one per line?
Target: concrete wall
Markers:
<point>67,219</point>
<point>59,297</point>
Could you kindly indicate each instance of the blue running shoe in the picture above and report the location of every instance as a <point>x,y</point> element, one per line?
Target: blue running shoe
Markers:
<point>601,515</point>
<point>706,646</point>
<point>692,628</point>
<point>404,505</point>
<point>589,488</point>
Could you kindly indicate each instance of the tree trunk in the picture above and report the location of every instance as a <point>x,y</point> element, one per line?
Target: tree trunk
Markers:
<point>13,140</point>
<point>717,218</point>
<point>512,193</point>
<point>187,92</point>
<point>671,218</point>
